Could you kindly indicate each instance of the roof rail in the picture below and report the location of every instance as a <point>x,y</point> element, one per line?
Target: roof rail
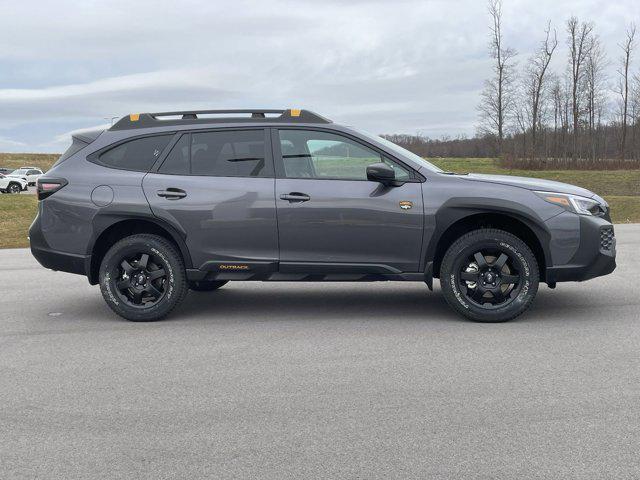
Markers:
<point>146,120</point>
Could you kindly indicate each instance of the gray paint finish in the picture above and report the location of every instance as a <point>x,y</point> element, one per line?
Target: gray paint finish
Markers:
<point>226,219</point>
<point>244,219</point>
<point>350,222</point>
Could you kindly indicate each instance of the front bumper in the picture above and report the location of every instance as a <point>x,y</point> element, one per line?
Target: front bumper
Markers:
<point>596,254</point>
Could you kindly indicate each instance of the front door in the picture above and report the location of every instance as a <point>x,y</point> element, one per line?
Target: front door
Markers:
<point>331,217</point>
<point>218,188</point>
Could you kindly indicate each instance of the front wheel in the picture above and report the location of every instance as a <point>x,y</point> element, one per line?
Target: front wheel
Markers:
<point>142,278</point>
<point>489,275</point>
<point>14,188</point>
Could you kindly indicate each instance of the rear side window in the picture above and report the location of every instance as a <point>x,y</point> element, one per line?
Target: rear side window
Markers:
<point>177,162</point>
<point>239,153</point>
<point>225,153</point>
<point>139,154</point>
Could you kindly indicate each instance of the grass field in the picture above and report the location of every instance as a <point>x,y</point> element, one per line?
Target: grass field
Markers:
<point>16,214</point>
<point>621,188</point>
<point>612,182</point>
<point>17,160</point>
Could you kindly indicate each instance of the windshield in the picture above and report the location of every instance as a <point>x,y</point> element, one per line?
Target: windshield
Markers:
<point>401,151</point>
<point>20,171</point>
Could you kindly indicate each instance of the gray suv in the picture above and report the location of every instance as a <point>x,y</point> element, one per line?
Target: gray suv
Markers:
<point>161,203</point>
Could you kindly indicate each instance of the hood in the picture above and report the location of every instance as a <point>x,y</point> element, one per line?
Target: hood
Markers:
<point>531,184</point>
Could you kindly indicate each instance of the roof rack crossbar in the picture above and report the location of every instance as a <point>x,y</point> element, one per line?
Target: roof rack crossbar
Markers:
<point>147,120</point>
<point>219,112</point>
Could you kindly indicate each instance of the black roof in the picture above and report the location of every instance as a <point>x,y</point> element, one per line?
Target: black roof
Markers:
<point>147,120</point>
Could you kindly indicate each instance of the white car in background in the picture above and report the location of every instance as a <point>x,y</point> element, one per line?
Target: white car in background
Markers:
<point>29,174</point>
<point>9,184</point>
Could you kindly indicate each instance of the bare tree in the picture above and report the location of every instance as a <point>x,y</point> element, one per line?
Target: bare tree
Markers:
<point>635,116</point>
<point>623,86</point>
<point>535,85</point>
<point>596,98</point>
<point>497,96</point>
<point>578,42</point>
<point>557,95</point>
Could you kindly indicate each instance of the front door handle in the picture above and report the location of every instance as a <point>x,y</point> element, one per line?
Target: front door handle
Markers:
<point>295,197</point>
<point>172,193</point>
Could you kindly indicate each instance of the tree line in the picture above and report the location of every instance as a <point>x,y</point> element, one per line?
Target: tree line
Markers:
<point>533,116</point>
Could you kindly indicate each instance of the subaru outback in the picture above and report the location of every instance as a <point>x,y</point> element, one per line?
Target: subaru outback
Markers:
<point>161,203</point>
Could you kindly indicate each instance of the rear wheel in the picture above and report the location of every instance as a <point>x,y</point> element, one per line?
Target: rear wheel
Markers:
<point>489,275</point>
<point>142,278</point>
<point>206,285</point>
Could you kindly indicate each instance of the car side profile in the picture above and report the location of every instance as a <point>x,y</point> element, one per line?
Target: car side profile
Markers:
<point>161,203</point>
<point>28,174</point>
<point>9,184</point>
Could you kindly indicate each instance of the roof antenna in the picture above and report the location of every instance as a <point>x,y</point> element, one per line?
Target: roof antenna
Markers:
<point>189,116</point>
<point>258,115</point>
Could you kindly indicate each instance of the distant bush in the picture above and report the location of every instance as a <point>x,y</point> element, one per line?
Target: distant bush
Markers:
<point>510,162</point>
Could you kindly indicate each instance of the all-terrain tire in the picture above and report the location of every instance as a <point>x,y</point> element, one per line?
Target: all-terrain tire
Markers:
<point>165,255</point>
<point>497,240</point>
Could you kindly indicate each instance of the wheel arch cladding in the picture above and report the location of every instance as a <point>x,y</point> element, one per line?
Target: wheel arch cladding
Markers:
<point>113,228</point>
<point>455,219</point>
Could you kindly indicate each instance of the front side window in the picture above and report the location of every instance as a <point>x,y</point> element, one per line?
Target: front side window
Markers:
<point>239,153</point>
<point>139,154</point>
<point>324,155</point>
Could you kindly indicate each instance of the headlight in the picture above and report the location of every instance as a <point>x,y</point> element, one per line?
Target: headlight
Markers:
<point>575,203</point>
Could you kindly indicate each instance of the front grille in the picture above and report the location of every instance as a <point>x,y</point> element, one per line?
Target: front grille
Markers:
<point>607,239</point>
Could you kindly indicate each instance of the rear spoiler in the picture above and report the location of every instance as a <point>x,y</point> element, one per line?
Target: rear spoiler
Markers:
<point>79,140</point>
<point>87,136</point>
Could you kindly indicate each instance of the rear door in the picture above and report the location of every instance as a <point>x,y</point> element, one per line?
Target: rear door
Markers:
<point>331,217</point>
<point>218,188</point>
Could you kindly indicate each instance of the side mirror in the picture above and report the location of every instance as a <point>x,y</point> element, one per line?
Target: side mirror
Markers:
<point>381,172</point>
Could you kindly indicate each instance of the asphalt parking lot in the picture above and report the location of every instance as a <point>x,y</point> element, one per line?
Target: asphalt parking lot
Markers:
<point>265,380</point>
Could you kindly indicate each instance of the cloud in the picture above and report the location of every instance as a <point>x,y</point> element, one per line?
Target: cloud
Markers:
<point>386,66</point>
<point>7,143</point>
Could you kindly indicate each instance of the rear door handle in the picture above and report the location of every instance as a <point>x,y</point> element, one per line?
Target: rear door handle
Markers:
<point>172,193</point>
<point>294,197</point>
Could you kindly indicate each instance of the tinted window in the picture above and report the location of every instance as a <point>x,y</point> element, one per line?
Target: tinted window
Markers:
<point>177,162</point>
<point>311,154</point>
<point>139,154</point>
<point>239,153</point>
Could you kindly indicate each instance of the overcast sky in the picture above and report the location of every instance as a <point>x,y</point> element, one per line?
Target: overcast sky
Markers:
<point>386,66</point>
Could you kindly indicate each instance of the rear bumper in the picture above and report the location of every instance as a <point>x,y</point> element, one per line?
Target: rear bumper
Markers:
<point>596,255</point>
<point>54,259</point>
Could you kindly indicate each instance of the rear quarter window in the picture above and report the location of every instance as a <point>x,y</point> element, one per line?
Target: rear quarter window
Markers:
<point>138,155</point>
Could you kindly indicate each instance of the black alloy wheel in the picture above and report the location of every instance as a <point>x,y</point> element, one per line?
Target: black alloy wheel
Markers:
<point>142,277</point>
<point>142,280</point>
<point>489,275</point>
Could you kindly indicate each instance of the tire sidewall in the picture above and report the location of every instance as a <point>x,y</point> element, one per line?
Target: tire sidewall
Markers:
<point>450,279</point>
<point>165,257</point>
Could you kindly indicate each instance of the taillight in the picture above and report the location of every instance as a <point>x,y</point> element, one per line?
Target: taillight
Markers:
<point>49,186</point>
